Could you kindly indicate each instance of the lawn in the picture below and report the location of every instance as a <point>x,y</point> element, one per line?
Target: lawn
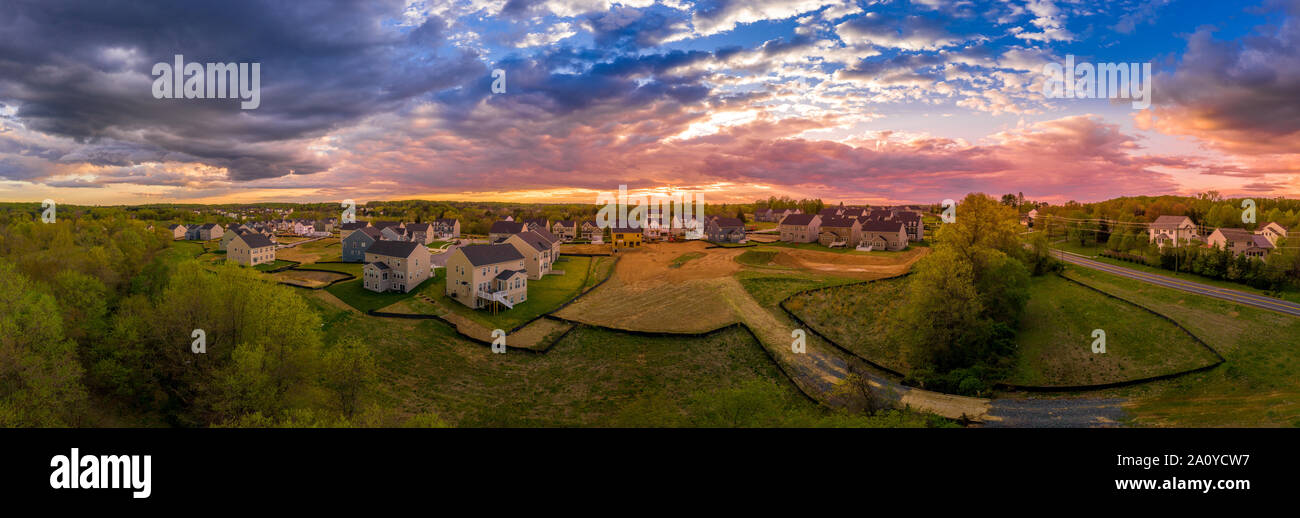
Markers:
<point>756,257</point>
<point>544,295</point>
<point>355,294</point>
<point>1259,384</point>
<point>1055,339</point>
<point>684,258</point>
<point>278,263</point>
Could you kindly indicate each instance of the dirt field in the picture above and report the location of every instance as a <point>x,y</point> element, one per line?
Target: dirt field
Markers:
<point>854,265</point>
<point>327,249</point>
<point>307,279</point>
<point>585,249</point>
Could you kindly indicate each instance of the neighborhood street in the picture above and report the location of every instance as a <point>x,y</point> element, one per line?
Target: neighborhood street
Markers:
<point>1240,297</point>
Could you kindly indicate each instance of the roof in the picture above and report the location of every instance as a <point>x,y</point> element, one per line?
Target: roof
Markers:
<point>370,232</point>
<point>798,219</point>
<point>882,226</point>
<point>1168,221</point>
<point>506,274</point>
<point>730,222</point>
<point>506,227</point>
<point>254,240</point>
<point>354,226</point>
<point>907,216</point>
<point>1262,242</point>
<point>1237,234</point>
<point>209,226</point>
<point>547,235</point>
<point>384,224</point>
<point>379,264</point>
<point>535,240</point>
<point>567,223</point>
<point>480,255</point>
<point>393,248</point>
<point>624,230</point>
<point>174,227</point>
<point>1279,225</point>
<point>838,221</point>
<point>445,221</point>
<point>418,227</point>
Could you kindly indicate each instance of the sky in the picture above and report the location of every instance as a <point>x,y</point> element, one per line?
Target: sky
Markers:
<point>879,102</point>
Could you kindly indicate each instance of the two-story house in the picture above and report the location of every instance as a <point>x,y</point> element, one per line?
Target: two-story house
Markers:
<point>356,243</point>
<point>1172,230</point>
<point>480,275</point>
<point>725,230</point>
<point>250,249</point>
<point>396,266</point>
<point>800,228</point>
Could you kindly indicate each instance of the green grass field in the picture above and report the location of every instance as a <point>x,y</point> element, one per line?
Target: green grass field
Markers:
<point>857,317</point>
<point>769,289</point>
<point>592,377</point>
<point>1257,386</point>
<point>278,263</point>
<point>1055,339</point>
<point>1093,251</point>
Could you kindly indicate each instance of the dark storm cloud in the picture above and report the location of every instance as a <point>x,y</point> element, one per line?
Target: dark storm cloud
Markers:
<point>82,70</point>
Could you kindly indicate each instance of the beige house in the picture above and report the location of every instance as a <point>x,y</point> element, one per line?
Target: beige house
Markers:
<point>837,231</point>
<point>800,228</point>
<point>1172,229</point>
<point>884,235</point>
<point>420,232</point>
<point>1240,241</point>
<point>481,275</point>
<point>178,231</point>
<point>250,249</point>
<point>538,256</point>
<point>1272,231</point>
<point>395,266</point>
<point>592,232</point>
<point>446,228</point>
<point>566,230</point>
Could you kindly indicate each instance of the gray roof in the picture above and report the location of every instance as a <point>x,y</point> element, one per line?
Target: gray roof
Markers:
<point>393,248</point>
<point>1168,221</point>
<point>730,223</point>
<point>506,227</point>
<point>380,264</point>
<point>355,226</point>
<point>385,224</point>
<point>419,227</point>
<point>838,222</point>
<point>255,240</point>
<point>1262,242</point>
<point>798,219</point>
<point>506,274</point>
<point>535,240</point>
<point>480,255</point>
<point>547,235</point>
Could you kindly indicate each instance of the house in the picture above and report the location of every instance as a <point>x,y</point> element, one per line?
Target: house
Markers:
<point>357,242</point>
<point>592,232</point>
<point>204,232</point>
<point>625,237</point>
<point>883,235</point>
<point>395,266</point>
<point>250,249</point>
<point>541,223</point>
<point>420,233</point>
<point>303,228</point>
<point>503,229</point>
<point>348,228</point>
<point>774,214</point>
<point>478,275</point>
<point>446,228</point>
<point>1177,229</point>
<point>1272,231</point>
<point>381,225</point>
<point>323,225</point>
<point>837,231</point>
<point>178,231</point>
<point>1240,241</point>
<point>800,228</point>
<point>725,230</point>
<point>565,229</point>
<point>229,235</point>
<point>537,252</point>
<point>911,223</point>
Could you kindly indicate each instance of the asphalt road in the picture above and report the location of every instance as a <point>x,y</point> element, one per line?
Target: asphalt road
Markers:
<point>1240,297</point>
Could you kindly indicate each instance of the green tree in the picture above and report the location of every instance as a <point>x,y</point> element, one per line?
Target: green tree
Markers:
<point>40,377</point>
